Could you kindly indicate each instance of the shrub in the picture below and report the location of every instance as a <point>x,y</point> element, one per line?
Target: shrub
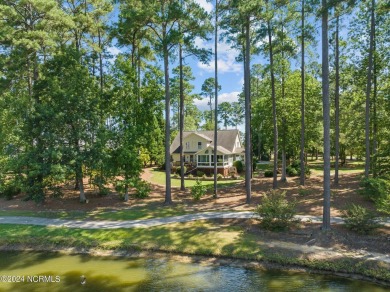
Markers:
<point>269,173</point>
<point>383,204</point>
<point>178,170</point>
<point>199,173</point>
<point>198,190</point>
<point>9,190</point>
<point>294,169</point>
<point>143,189</point>
<point>219,176</point>
<point>264,157</point>
<point>190,176</point>
<point>359,219</point>
<point>375,189</point>
<point>303,192</point>
<point>238,165</point>
<point>56,192</point>
<point>275,211</point>
<point>291,171</point>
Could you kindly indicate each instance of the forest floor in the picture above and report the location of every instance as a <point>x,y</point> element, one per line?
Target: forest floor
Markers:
<point>231,198</point>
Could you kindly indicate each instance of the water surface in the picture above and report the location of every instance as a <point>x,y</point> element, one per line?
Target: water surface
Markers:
<point>64,273</point>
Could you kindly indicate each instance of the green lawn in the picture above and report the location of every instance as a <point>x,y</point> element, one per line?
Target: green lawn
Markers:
<point>158,177</point>
<point>351,166</point>
<point>150,210</point>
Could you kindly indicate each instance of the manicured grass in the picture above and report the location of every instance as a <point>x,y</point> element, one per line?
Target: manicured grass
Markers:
<point>137,212</point>
<point>351,167</point>
<point>200,237</point>
<point>158,177</point>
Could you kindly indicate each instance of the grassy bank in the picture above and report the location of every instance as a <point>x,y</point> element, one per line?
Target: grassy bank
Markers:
<point>146,211</point>
<point>193,238</point>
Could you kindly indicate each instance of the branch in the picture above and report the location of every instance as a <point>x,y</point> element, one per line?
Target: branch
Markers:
<point>155,31</point>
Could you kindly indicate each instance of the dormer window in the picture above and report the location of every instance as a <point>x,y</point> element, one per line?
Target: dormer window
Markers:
<point>187,145</point>
<point>199,145</point>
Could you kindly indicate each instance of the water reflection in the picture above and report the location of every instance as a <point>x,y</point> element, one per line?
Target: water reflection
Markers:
<point>122,274</point>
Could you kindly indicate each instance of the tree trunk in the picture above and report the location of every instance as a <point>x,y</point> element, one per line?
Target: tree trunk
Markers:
<point>337,106</point>
<point>80,177</point>
<point>274,117</point>
<point>368,91</point>
<point>181,126</point>
<point>126,198</point>
<point>216,98</point>
<point>284,125</point>
<point>168,195</point>
<point>326,115</point>
<point>302,152</point>
<point>375,117</point>
<point>248,154</point>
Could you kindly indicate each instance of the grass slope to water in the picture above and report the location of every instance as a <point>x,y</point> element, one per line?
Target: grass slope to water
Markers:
<point>137,212</point>
<point>194,238</point>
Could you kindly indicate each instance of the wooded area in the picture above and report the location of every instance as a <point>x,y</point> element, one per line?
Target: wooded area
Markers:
<point>69,110</point>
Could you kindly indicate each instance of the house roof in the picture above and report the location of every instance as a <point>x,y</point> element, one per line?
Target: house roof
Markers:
<point>225,139</point>
<point>219,148</point>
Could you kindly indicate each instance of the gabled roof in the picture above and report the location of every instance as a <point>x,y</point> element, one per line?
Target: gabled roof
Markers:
<point>219,149</point>
<point>225,139</point>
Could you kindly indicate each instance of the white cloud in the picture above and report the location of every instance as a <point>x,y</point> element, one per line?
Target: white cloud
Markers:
<point>114,51</point>
<point>229,97</point>
<point>206,5</point>
<point>223,97</point>
<point>226,57</point>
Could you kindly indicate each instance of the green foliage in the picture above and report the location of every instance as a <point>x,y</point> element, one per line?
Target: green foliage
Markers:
<point>294,169</point>
<point>143,189</point>
<point>200,173</point>
<point>360,220</point>
<point>198,190</point>
<point>276,213</point>
<point>375,189</point>
<point>303,192</point>
<point>56,192</point>
<point>9,189</point>
<point>269,173</point>
<point>219,176</point>
<point>178,170</point>
<point>238,165</point>
<point>291,171</point>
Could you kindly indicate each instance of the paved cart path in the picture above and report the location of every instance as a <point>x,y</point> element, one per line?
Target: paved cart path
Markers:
<point>144,223</point>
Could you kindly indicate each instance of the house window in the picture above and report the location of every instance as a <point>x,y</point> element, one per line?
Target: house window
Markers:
<point>219,158</point>
<point>199,145</point>
<point>203,158</point>
<point>187,145</point>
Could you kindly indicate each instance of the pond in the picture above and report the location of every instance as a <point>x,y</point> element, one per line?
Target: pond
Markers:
<point>33,271</point>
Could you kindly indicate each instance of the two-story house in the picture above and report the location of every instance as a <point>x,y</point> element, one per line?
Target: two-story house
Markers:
<point>198,150</point>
